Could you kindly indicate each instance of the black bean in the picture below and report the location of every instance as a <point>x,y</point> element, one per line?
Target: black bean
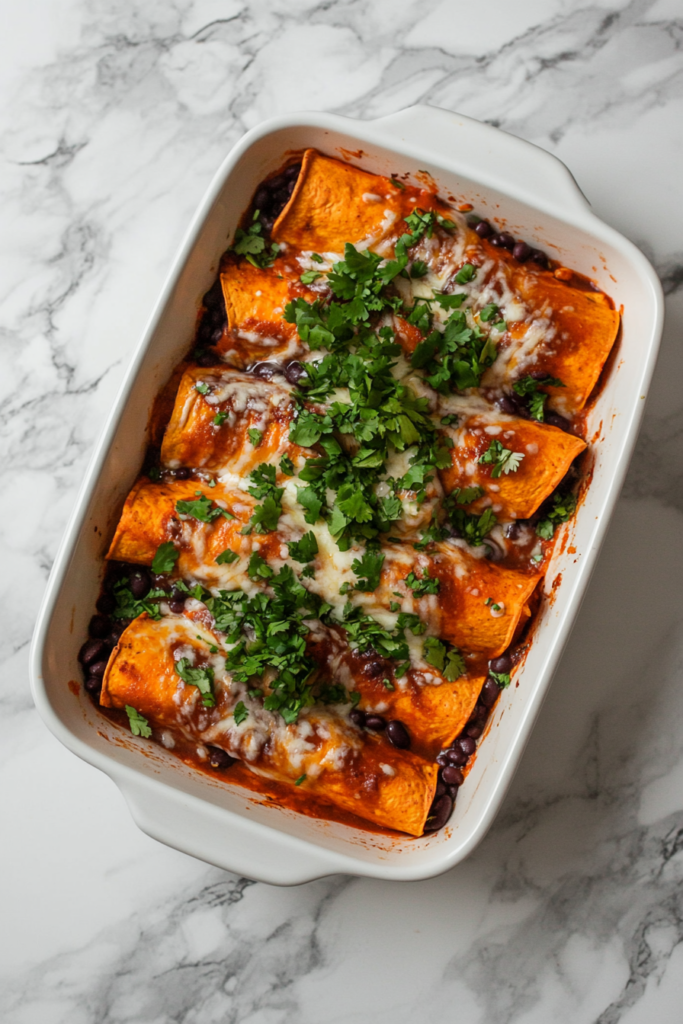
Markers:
<point>105,604</point>
<point>439,813</point>
<point>503,240</point>
<point>182,473</point>
<point>521,252</point>
<point>489,693</point>
<point>219,759</point>
<point>214,296</point>
<point>216,335</point>
<point>453,792</point>
<point>206,358</point>
<point>91,651</point>
<point>452,776</point>
<point>262,198</point>
<point>267,223</point>
<point>99,626</point>
<point>97,668</point>
<point>456,756</point>
<point>294,371</point>
<point>292,172</point>
<point>115,635</point>
<point>93,685</point>
<point>139,582</point>
<point>484,229</point>
<point>177,606</point>
<point>375,722</point>
<point>480,713</point>
<point>442,758</point>
<point>474,731</point>
<point>398,734</point>
<point>265,371</point>
<point>440,789</point>
<point>502,664</point>
<point>374,668</point>
<point>357,717</point>
<point>512,531</point>
<point>467,745</point>
<point>538,256</point>
<point>555,420</point>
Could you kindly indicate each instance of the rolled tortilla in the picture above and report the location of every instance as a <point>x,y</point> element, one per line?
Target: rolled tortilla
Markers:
<point>241,403</point>
<point>433,709</point>
<point>478,607</point>
<point>355,770</point>
<point>255,301</point>
<point>546,455</point>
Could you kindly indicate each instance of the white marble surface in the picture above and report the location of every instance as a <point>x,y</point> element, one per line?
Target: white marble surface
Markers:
<point>114,115</point>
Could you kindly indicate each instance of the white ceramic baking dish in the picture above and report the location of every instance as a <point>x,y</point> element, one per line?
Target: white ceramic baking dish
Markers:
<point>537,199</point>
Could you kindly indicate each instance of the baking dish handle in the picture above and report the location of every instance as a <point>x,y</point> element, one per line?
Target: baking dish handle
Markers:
<point>486,155</point>
<point>205,831</point>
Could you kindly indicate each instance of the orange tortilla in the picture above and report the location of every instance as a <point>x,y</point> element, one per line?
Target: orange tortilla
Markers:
<point>356,770</point>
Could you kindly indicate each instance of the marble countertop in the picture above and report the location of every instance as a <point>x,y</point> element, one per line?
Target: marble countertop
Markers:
<point>114,117</point>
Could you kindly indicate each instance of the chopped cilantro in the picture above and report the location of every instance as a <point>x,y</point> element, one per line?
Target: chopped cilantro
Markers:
<point>240,713</point>
<point>472,528</point>
<point>227,557</point>
<point>202,678</point>
<point>287,466</point>
<point>129,607</point>
<point>265,516</point>
<point>502,459</point>
<point>165,558</point>
<point>528,387</point>
<point>426,585</point>
<point>219,419</point>
<point>303,550</point>
<point>466,274</point>
<point>309,276</point>
<point>202,509</point>
<point>368,570</point>
<point>139,725</point>
<point>447,660</point>
<point>255,436</point>
<point>501,678</point>
<point>563,508</point>
<point>317,258</point>
<point>202,388</point>
<point>250,244</point>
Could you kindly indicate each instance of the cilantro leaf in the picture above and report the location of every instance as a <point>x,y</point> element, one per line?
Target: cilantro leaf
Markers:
<point>258,568</point>
<point>309,276</point>
<point>368,569</point>
<point>529,387</point>
<point>202,678</point>
<point>426,585</point>
<point>240,713</point>
<point>502,459</point>
<point>304,550</point>
<point>139,725</point>
<point>563,508</point>
<point>311,502</point>
<point>202,509</point>
<point>287,466</point>
<point>501,678</point>
<point>227,557</point>
<point>255,436</point>
<point>165,558</point>
<point>466,273</point>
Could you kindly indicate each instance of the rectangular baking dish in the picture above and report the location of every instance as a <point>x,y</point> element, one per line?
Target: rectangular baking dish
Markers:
<point>535,197</point>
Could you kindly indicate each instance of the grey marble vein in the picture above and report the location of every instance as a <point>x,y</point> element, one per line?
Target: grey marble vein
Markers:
<point>114,117</point>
